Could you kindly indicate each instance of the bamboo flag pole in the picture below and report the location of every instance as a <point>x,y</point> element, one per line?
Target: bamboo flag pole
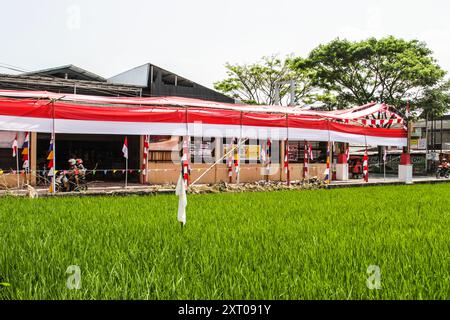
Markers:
<point>126,164</point>
<point>126,173</point>
<point>54,148</point>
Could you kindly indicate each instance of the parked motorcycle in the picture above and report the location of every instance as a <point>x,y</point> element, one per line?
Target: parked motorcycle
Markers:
<point>442,172</point>
<point>72,180</point>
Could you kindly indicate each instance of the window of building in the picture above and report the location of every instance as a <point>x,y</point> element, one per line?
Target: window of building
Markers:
<point>202,150</point>
<point>296,151</point>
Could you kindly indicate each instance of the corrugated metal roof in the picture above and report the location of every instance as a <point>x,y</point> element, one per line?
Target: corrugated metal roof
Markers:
<point>70,69</point>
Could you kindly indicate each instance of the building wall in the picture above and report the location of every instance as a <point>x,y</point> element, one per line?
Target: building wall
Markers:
<point>9,180</point>
<point>168,173</point>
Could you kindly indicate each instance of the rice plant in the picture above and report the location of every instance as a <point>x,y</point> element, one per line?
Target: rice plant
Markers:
<point>276,245</point>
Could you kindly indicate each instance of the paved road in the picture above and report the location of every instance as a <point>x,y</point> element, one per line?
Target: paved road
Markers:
<point>114,188</point>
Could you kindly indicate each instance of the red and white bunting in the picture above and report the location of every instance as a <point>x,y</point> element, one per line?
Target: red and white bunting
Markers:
<point>380,122</point>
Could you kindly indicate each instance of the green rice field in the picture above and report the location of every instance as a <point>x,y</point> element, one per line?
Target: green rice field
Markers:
<point>275,245</point>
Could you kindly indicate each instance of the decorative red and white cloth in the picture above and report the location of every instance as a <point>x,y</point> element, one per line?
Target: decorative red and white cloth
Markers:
<point>145,154</point>
<point>366,166</point>
<point>305,160</point>
<point>185,161</point>
<point>170,116</point>
<point>286,156</point>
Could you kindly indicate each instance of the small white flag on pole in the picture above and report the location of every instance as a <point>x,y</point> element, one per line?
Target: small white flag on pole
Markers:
<point>180,191</point>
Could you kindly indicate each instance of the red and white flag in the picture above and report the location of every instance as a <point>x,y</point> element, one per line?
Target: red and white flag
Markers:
<point>366,166</point>
<point>15,147</point>
<point>125,148</point>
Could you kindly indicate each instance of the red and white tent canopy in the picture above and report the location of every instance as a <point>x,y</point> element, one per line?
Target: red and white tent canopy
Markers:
<point>35,111</point>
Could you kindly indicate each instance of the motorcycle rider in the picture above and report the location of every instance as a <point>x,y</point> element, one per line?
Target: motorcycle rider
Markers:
<point>81,169</point>
<point>444,163</point>
<point>73,171</point>
<point>445,166</point>
<point>443,169</point>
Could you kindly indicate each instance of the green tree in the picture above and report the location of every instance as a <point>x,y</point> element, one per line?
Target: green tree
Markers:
<point>256,83</point>
<point>435,100</point>
<point>388,70</point>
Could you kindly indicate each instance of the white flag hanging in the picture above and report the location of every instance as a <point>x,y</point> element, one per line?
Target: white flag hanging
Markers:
<point>15,147</point>
<point>180,191</point>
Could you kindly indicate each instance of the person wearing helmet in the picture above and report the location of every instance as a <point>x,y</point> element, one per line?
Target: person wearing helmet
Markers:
<point>79,164</point>
<point>73,172</point>
<point>72,163</point>
<point>445,167</point>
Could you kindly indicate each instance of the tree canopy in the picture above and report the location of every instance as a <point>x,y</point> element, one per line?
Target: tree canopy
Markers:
<point>257,83</point>
<point>388,70</point>
<point>342,73</point>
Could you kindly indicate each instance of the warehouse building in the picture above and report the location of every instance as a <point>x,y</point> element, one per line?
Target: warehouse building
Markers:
<point>101,151</point>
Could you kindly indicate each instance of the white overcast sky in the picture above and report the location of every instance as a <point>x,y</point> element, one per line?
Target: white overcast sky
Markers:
<point>194,38</point>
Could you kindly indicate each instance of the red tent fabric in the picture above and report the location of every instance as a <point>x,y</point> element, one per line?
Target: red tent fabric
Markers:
<point>33,111</point>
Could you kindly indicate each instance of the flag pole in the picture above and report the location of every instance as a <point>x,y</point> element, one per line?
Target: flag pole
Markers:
<point>26,170</point>
<point>384,163</point>
<point>126,166</point>
<point>238,174</point>
<point>54,149</point>
<point>17,166</point>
